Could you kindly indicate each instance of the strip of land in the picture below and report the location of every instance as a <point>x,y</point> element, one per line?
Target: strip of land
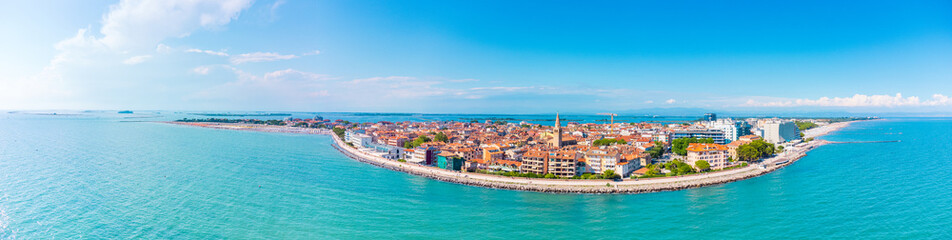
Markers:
<point>790,155</point>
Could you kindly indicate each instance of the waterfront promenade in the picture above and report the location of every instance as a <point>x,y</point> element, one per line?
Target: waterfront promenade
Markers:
<point>790,155</point>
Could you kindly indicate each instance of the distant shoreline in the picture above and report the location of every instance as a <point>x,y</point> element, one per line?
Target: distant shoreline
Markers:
<point>580,186</point>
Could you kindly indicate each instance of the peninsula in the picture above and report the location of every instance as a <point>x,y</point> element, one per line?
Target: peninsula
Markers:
<point>566,158</point>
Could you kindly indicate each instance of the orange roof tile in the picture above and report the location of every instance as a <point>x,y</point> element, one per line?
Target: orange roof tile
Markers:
<point>704,147</point>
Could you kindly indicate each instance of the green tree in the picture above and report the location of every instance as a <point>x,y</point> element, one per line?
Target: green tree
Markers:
<point>608,141</point>
<point>440,137</point>
<point>764,149</point>
<point>407,145</point>
<point>653,173</point>
<point>702,165</point>
<point>677,167</point>
<point>420,140</point>
<point>748,153</point>
<point>679,146</point>
<point>550,176</point>
<point>610,174</point>
<point>657,150</point>
<point>339,132</point>
<point>684,168</point>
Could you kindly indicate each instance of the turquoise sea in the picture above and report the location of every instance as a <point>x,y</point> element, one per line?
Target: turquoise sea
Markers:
<point>108,176</point>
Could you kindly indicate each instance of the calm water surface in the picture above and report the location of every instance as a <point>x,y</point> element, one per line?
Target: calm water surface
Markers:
<point>103,177</point>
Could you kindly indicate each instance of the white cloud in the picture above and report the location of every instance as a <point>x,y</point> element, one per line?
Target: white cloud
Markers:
<point>77,48</point>
<point>202,70</point>
<point>382,79</point>
<point>209,52</point>
<point>163,49</point>
<point>271,90</point>
<point>260,57</point>
<point>670,101</point>
<point>131,30</point>
<point>858,100</point>
<point>464,80</point>
<point>264,56</point>
<point>291,72</point>
<point>274,8</point>
<point>132,24</point>
<point>136,59</point>
<point>509,89</point>
<point>649,102</point>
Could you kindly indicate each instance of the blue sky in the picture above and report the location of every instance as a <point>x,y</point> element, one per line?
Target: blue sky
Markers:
<point>477,57</point>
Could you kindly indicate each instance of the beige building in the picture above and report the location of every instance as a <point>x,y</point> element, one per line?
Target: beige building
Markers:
<point>562,163</point>
<point>714,154</point>
<point>598,160</point>
<point>534,161</point>
<point>558,163</point>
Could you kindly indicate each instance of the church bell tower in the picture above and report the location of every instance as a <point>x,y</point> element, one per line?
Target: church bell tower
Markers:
<point>557,139</point>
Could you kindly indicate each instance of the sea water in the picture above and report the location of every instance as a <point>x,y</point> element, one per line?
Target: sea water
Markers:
<point>108,176</point>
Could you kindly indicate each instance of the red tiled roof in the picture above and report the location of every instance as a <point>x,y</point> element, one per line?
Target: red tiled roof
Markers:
<point>704,147</point>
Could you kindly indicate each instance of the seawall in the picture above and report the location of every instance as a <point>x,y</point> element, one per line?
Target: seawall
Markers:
<point>626,186</point>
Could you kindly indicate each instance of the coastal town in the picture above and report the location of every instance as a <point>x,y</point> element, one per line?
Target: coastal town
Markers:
<point>562,150</point>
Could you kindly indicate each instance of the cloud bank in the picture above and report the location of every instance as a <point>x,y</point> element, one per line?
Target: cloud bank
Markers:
<point>858,100</point>
<point>130,31</point>
<point>260,57</point>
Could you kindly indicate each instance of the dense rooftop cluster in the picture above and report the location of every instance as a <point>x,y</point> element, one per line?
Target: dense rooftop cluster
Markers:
<point>572,150</point>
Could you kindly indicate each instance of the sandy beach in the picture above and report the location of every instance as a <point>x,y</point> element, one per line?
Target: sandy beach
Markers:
<point>789,156</point>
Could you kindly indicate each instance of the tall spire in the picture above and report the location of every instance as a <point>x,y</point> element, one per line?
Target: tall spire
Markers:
<point>557,139</point>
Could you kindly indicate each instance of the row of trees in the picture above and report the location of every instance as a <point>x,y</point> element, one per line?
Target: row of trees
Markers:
<point>676,167</point>
<point>608,141</point>
<point>805,125</point>
<point>679,146</point>
<point>339,132</point>
<point>755,150</point>
<point>217,120</point>
<point>226,120</point>
<point>438,136</point>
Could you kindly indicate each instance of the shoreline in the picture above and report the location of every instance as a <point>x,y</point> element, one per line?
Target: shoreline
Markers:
<point>576,186</point>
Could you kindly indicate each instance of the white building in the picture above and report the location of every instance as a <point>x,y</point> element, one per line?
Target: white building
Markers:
<point>732,129</point>
<point>779,131</point>
<point>358,139</point>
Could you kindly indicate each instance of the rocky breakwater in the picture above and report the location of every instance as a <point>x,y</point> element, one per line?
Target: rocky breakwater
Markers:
<point>629,186</point>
